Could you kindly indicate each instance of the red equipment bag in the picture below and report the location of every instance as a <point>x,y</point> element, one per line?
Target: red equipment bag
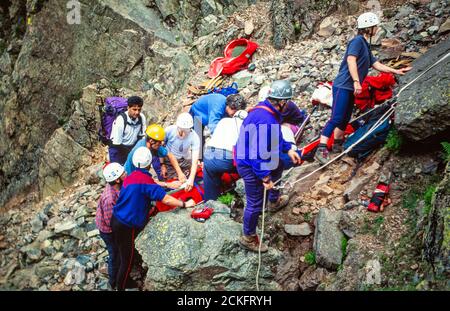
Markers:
<point>202,212</point>
<point>230,64</point>
<point>378,197</point>
<point>375,90</point>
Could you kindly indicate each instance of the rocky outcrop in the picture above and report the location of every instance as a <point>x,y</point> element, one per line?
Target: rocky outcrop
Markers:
<point>437,233</point>
<point>182,254</point>
<point>328,239</point>
<point>424,109</point>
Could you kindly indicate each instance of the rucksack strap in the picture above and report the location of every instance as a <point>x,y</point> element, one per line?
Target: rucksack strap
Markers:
<point>125,122</point>
<point>266,109</point>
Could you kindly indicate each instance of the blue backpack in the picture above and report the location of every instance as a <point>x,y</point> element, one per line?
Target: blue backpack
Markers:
<point>232,89</point>
<point>371,142</point>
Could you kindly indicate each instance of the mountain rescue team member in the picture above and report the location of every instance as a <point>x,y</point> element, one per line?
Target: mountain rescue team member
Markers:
<point>258,151</point>
<point>114,175</point>
<point>184,144</point>
<point>218,157</point>
<point>357,60</point>
<point>153,141</point>
<point>125,133</point>
<point>209,109</point>
<point>131,211</point>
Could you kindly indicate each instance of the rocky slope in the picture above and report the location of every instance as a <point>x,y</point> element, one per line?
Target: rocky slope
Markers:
<point>325,239</point>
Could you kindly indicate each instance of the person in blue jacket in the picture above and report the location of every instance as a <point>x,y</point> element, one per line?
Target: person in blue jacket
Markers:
<point>132,209</point>
<point>354,68</point>
<point>257,156</point>
<point>209,109</point>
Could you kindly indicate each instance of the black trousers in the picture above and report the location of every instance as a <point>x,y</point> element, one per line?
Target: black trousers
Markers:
<point>124,239</point>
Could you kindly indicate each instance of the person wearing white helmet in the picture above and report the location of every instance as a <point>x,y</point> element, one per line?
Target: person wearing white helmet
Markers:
<point>218,157</point>
<point>114,175</point>
<point>358,59</point>
<point>132,209</point>
<point>184,144</point>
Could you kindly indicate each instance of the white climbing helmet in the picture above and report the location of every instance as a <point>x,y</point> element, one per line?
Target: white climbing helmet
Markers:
<point>263,93</point>
<point>367,20</point>
<point>241,114</point>
<point>185,121</point>
<point>142,157</point>
<point>113,171</point>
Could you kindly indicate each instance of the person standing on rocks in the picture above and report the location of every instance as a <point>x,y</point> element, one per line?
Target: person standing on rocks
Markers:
<point>354,68</point>
<point>258,150</point>
<point>218,158</point>
<point>209,109</point>
<point>131,212</point>
<point>126,130</point>
<point>114,175</point>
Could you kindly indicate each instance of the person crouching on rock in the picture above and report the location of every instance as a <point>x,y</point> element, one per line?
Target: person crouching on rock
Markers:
<point>357,60</point>
<point>131,211</point>
<point>114,175</point>
<point>258,162</point>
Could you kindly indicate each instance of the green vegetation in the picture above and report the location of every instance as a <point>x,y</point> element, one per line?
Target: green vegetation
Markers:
<point>344,242</point>
<point>428,196</point>
<point>310,258</point>
<point>446,147</point>
<point>372,226</point>
<point>226,199</point>
<point>394,141</point>
<point>307,217</point>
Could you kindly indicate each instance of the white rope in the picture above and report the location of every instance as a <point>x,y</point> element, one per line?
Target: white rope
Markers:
<point>261,239</point>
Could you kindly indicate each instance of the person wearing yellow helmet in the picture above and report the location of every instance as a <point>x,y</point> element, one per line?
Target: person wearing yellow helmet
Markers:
<point>154,137</point>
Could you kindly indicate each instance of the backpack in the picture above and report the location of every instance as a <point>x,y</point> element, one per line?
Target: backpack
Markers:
<point>113,107</point>
<point>323,94</point>
<point>375,139</point>
<point>375,90</point>
<point>226,91</point>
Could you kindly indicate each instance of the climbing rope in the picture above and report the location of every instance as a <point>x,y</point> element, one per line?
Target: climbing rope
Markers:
<point>380,121</point>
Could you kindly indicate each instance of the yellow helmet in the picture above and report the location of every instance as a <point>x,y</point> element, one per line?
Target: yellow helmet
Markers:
<point>155,132</point>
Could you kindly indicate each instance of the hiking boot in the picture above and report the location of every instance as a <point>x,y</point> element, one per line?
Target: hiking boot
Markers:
<point>338,146</point>
<point>282,201</point>
<point>251,243</point>
<point>322,155</point>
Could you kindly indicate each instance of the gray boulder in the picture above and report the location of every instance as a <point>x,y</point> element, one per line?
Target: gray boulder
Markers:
<point>328,239</point>
<point>182,254</point>
<point>424,109</point>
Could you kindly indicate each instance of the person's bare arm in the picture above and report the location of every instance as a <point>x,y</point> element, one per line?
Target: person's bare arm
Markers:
<point>194,165</point>
<point>353,68</point>
<point>171,201</point>
<point>174,162</point>
<point>383,68</point>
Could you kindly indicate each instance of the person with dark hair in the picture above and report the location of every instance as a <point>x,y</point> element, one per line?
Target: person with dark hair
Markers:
<point>258,158</point>
<point>114,175</point>
<point>354,68</point>
<point>209,109</point>
<point>127,129</point>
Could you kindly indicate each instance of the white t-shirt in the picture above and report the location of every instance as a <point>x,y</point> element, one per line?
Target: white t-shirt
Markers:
<point>287,134</point>
<point>132,130</point>
<point>181,148</point>
<point>226,134</point>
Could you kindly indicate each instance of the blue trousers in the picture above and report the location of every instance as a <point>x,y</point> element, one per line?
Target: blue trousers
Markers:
<point>215,163</point>
<point>254,192</point>
<point>113,253</point>
<point>119,155</point>
<point>343,102</point>
<point>156,164</point>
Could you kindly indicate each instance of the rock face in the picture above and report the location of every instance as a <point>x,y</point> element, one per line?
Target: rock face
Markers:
<point>182,254</point>
<point>424,109</point>
<point>45,62</point>
<point>437,236</point>
<point>328,239</point>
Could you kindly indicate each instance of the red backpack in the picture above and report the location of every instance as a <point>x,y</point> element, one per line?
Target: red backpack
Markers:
<point>375,90</point>
<point>230,64</point>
